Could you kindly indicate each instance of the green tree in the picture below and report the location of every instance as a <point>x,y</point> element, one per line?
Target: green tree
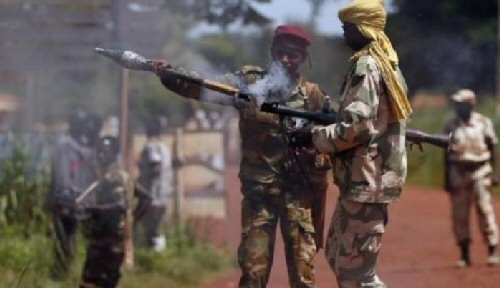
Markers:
<point>221,12</point>
<point>446,44</point>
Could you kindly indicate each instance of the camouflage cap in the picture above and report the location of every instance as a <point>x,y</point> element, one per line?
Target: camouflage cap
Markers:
<point>464,96</point>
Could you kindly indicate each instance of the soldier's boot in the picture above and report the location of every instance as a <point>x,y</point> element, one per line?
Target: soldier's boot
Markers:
<point>464,260</point>
<point>493,258</point>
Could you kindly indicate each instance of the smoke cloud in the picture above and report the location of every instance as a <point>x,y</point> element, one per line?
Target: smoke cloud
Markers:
<point>274,87</point>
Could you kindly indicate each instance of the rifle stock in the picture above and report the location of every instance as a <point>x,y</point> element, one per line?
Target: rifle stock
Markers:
<point>413,136</point>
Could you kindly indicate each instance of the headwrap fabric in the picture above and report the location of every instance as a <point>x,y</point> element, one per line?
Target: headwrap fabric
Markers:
<point>370,17</point>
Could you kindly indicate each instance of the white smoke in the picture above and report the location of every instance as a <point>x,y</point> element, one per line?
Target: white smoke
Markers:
<point>274,87</point>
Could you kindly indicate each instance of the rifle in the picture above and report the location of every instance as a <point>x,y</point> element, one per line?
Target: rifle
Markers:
<point>86,193</point>
<point>134,61</point>
<point>414,136</point>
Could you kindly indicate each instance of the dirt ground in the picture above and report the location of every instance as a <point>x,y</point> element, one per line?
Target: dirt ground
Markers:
<point>418,249</point>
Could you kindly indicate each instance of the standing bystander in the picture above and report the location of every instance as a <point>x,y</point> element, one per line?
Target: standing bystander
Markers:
<point>470,173</point>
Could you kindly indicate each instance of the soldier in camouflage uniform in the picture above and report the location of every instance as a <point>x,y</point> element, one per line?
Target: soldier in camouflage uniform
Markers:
<point>72,171</point>
<point>107,205</point>
<point>367,146</point>
<point>469,170</point>
<point>273,183</point>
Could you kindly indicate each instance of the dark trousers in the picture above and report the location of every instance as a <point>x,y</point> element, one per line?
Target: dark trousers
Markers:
<point>105,250</point>
<point>152,222</point>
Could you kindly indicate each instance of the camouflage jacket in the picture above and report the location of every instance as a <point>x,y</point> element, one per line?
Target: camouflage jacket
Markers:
<point>114,190</point>
<point>368,151</point>
<point>264,148</point>
<point>470,140</point>
<point>265,155</point>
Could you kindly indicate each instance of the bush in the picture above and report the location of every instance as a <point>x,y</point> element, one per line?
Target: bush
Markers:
<point>26,262</point>
<point>186,262</point>
<point>22,197</point>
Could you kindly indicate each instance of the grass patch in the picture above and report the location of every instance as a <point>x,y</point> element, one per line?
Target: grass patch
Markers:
<point>26,262</point>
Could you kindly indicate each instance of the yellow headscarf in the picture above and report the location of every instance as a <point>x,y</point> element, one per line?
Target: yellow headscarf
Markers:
<point>370,17</point>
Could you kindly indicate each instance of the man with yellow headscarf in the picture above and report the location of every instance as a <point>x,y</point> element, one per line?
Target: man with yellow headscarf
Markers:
<point>367,145</point>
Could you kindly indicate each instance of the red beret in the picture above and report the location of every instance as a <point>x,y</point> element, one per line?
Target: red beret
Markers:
<point>294,31</point>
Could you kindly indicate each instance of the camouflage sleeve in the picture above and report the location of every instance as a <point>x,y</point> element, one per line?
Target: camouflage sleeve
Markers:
<point>316,96</point>
<point>357,123</point>
<point>489,132</point>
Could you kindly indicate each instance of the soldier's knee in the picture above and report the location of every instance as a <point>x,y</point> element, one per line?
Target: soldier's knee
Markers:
<point>254,252</point>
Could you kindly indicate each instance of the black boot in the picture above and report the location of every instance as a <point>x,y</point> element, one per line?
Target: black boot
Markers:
<point>465,257</point>
<point>493,258</point>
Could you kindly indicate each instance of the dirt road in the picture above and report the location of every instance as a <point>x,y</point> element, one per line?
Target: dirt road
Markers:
<point>418,249</point>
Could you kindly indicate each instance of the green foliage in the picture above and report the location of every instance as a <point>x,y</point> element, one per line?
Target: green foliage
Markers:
<point>446,44</point>
<point>22,197</point>
<point>184,257</point>
<point>220,49</point>
<point>221,12</point>
<point>148,97</point>
<point>427,167</point>
<point>26,262</point>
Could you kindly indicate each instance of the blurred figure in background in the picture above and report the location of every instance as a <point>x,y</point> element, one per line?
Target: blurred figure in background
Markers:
<point>107,206</point>
<point>155,177</point>
<point>470,173</point>
<point>72,172</point>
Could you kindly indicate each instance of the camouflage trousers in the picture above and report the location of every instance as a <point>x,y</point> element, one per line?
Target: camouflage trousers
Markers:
<point>65,230</point>
<point>262,208</point>
<point>105,250</point>
<point>470,186</point>
<point>354,242</point>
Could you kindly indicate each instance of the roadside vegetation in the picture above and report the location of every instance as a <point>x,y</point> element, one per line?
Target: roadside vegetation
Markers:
<point>26,242</point>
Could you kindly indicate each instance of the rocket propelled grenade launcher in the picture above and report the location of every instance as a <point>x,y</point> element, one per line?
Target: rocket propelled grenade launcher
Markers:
<point>134,61</point>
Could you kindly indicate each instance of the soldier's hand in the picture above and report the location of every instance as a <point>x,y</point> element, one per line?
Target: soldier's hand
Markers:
<point>161,67</point>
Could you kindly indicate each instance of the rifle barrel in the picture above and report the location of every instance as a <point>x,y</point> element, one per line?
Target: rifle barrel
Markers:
<point>317,117</point>
<point>412,135</point>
